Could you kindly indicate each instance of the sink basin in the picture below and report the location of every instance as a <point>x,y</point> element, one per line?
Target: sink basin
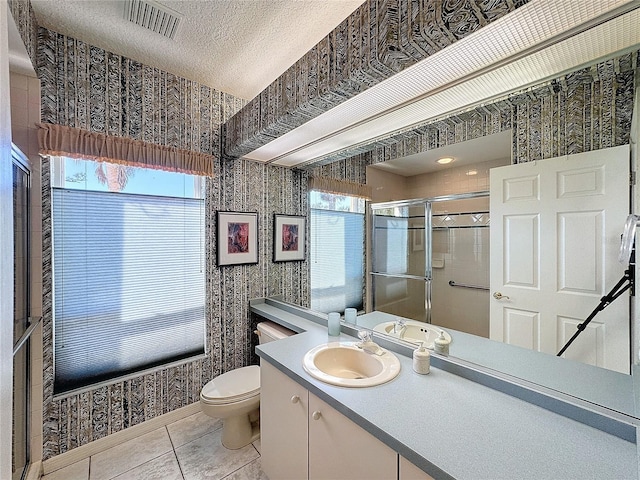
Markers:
<point>414,332</point>
<point>346,365</point>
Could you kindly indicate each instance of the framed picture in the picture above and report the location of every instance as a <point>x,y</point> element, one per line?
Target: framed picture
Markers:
<point>288,238</point>
<point>237,238</point>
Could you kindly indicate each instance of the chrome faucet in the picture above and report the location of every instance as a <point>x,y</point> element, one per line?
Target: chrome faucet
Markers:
<point>398,326</point>
<point>367,344</point>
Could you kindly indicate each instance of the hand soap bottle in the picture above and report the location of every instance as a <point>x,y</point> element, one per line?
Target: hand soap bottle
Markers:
<point>421,360</point>
<point>441,344</point>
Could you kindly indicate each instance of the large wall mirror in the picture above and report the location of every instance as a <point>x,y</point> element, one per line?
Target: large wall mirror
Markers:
<point>529,128</point>
<point>497,270</point>
<point>442,250</point>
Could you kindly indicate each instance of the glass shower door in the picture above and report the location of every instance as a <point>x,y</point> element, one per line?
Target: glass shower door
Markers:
<point>430,260</point>
<point>399,261</point>
<point>21,323</point>
<point>460,261</point>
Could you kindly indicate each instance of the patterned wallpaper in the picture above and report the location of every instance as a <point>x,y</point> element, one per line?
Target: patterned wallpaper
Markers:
<point>379,39</point>
<point>86,87</point>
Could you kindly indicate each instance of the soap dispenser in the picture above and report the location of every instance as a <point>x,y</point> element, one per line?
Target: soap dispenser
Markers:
<point>441,344</point>
<point>421,360</point>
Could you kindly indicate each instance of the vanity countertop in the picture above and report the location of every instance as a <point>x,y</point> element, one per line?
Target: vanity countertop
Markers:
<point>452,427</point>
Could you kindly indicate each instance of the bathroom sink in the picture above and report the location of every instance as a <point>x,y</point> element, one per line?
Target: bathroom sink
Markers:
<point>346,365</point>
<point>412,331</point>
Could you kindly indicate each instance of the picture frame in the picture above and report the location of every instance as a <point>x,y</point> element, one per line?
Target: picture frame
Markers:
<point>289,240</point>
<point>237,238</point>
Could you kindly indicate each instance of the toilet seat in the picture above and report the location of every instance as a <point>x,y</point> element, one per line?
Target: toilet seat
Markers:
<point>233,386</point>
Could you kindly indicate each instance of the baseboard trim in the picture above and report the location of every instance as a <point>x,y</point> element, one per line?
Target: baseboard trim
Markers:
<point>97,446</point>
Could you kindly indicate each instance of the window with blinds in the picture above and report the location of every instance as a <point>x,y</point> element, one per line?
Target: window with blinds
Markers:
<point>128,267</point>
<point>337,252</point>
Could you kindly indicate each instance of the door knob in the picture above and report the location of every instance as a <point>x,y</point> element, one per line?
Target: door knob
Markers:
<point>499,296</point>
<point>316,415</point>
<point>295,399</point>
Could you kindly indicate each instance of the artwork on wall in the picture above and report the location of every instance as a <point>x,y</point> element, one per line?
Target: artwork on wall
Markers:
<point>237,238</point>
<point>288,238</point>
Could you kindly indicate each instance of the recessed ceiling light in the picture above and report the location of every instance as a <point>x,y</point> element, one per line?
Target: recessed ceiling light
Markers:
<point>444,160</point>
<point>472,172</point>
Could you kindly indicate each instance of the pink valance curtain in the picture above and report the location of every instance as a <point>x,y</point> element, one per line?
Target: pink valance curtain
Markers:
<point>72,142</point>
<point>339,187</point>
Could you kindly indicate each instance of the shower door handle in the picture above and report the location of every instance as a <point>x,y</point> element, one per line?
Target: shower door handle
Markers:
<point>499,296</point>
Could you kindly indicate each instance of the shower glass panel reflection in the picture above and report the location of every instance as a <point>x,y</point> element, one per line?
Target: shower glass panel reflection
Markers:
<point>398,261</point>
<point>460,265</point>
<point>430,260</point>
<point>21,325</point>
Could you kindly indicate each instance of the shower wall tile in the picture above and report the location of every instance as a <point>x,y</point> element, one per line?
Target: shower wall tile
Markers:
<point>466,260</point>
<point>451,180</point>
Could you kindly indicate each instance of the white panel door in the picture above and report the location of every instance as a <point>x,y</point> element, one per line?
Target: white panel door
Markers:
<point>555,236</point>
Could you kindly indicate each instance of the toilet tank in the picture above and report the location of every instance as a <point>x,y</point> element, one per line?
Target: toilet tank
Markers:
<point>269,331</point>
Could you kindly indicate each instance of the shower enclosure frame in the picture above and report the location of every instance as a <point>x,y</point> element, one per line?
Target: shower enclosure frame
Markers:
<point>428,240</point>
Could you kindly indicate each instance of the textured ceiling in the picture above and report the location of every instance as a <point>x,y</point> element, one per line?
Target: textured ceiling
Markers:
<point>236,46</point>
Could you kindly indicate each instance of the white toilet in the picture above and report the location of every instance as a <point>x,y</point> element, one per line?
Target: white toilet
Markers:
<point>235,396</point>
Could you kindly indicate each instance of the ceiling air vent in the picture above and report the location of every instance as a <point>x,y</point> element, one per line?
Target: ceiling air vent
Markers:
<point>152,15</point>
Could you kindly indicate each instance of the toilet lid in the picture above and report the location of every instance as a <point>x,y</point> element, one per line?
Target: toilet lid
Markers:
<point>233,386</point>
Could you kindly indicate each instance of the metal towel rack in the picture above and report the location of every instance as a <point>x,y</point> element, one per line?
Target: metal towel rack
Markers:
<point>464,285</point>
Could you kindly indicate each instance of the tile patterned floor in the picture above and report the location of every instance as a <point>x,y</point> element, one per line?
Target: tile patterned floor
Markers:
<point>189,449</point>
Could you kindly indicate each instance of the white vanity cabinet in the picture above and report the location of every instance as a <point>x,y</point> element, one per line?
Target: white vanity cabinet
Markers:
<point>408,471</point>
<point>303,437</point>
<point>284,440</point>
<point>338,448</point>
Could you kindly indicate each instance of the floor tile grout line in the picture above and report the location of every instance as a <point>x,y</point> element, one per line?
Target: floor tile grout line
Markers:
<point>175,454</point>
<point>241,467</point>
<point>174,450</point>
<point>141,464</point>
<point>194,438</point>
<point>151,459</point>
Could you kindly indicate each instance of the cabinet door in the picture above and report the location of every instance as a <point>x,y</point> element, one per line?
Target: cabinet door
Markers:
<point>408,471</point>
<point>283,425</point>
<point>338,448</point>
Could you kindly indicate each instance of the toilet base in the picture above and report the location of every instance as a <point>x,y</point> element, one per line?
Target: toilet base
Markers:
<point>239,431</point>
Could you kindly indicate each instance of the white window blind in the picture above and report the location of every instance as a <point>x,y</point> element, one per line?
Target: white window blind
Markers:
<point>128,283</point>
<point>337,260</point>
